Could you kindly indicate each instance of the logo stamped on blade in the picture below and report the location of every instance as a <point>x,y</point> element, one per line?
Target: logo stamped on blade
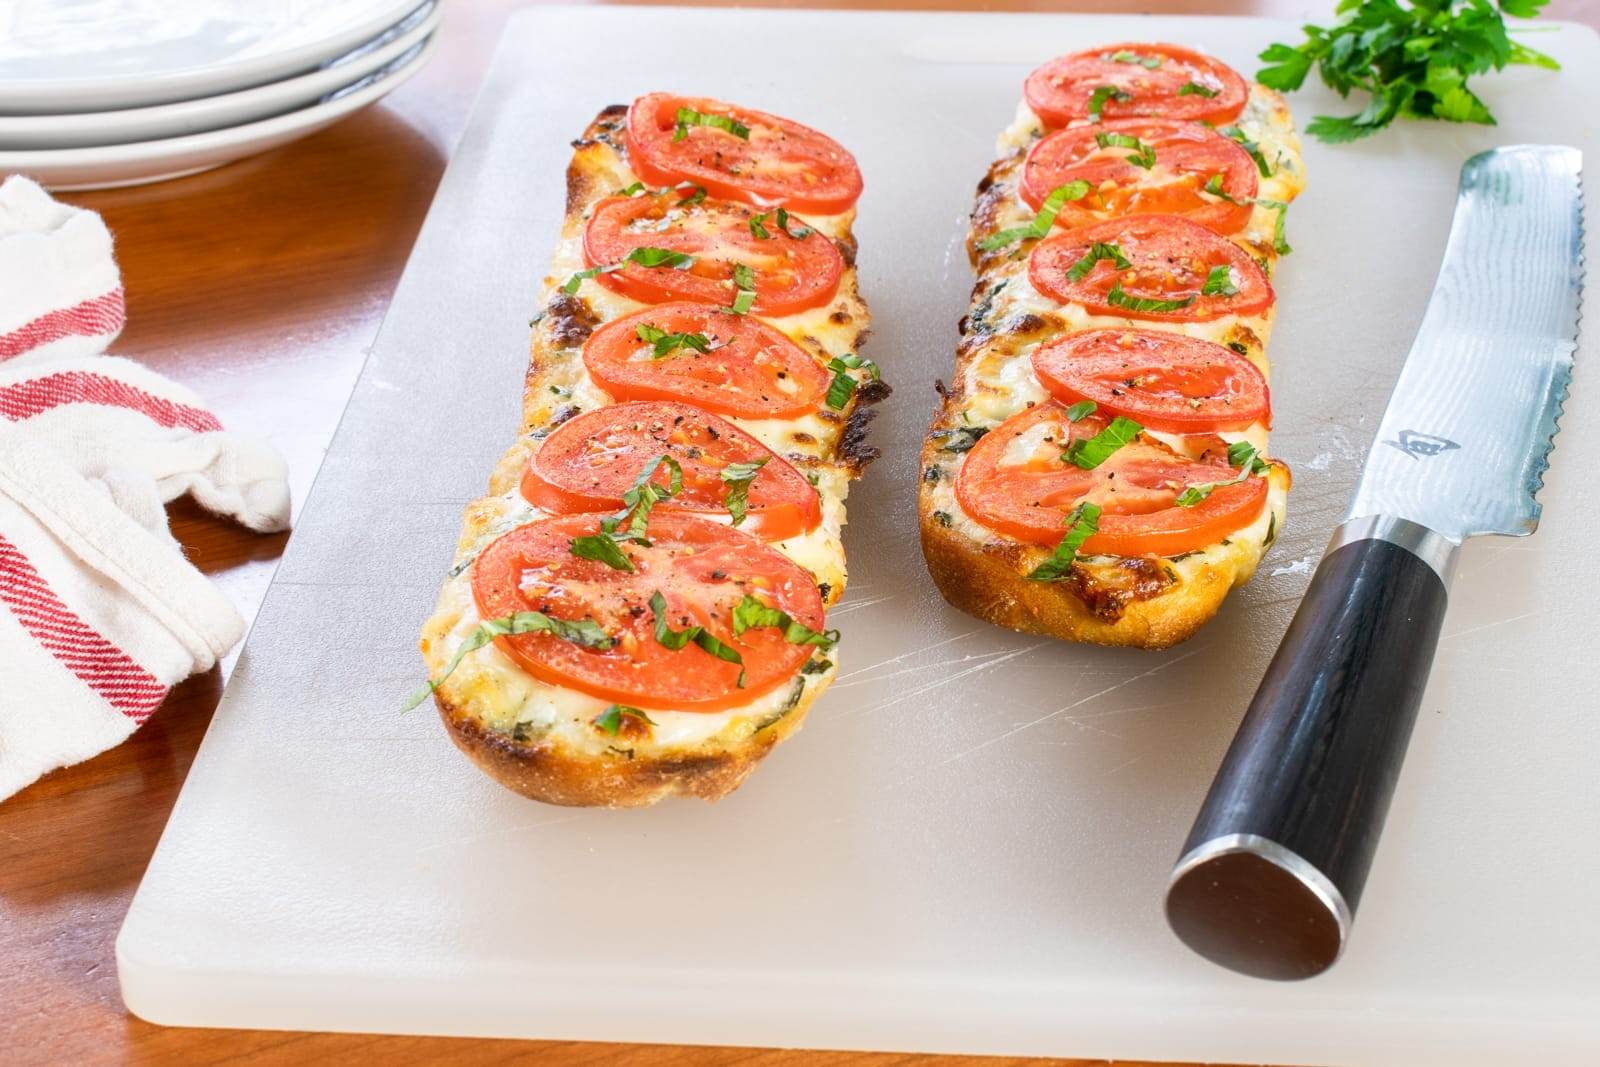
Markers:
<point>1417,445</point>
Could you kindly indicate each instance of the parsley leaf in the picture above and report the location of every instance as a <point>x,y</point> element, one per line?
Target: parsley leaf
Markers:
<point>1119,299</point>
<point>585,633</point>
<point>688,116</point>
<point>1097,252</point>
<point>1098,98</point>
<point>1046,218</point>
<point>610,720</point>
<point>1142,156</point>
<point>737,477</point>
<point>1412,60</point>
<point>1082,522</point>
<point>752,613</point>
<point>667,637</point>
<point>1219,282</point>
<point>1090,452</point>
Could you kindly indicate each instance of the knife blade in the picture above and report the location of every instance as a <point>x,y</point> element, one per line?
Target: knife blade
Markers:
<point>1271,874</point>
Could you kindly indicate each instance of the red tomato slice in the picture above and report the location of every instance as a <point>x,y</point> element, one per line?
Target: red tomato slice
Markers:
<point>752,371</point>
<point>1060,92</point>
<point>1165,381</point>
<point>1015,482</point>
<point>1171,260</point>
<point>593,459</point>
<point>780,163</point>
<point>1187,156</point>
<point>703,569</point>
<point>790,275</point>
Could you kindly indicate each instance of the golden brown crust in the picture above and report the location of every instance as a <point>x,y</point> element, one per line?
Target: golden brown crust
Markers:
<point>556,773</point>
<point>1140,602</point>
<point>567,759</point>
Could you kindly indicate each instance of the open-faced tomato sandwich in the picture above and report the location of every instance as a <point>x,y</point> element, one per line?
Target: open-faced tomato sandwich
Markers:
<point>638,607</point>
<point>1098,469</point>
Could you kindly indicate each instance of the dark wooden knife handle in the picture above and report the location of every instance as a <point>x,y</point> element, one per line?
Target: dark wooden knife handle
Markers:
<point>1273,870</point>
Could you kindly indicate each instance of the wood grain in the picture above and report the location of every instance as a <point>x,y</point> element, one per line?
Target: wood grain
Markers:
<point>261,285</point>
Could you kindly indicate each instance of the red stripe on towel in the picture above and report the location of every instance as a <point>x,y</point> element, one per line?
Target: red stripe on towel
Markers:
<point>28,398</point>
<point>90,318</point>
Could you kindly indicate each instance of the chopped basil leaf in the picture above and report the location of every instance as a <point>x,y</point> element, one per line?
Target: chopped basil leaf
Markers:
<point>1125,56</point>
<point>688,116</point>
<point>1250,146</point>
<point>1219,282</point>
<point>1090,452</point>
<point>1119,299</point>
<point>752,613</point>
<point>678,639</point>
<point>1081,409</point>
<point>817,666</point>
<point>633,190</point>
<point>1082,522</point>
<point>799,233</point>
<point>843,386</point>
<point>1046,218</point>
<point>1143,155</point>
<point>641,498</point>
<point>602,548</point>
<point>758,229</point>
<point>586,633</point>
<point>959,438</point>
<point>610,720</point>
<point>666,343</point>
<point>1098,98</point>
<point>744,282</point>
<point>1196,89</point>
<point>660,257</point>
<point>1214,187</point>
<point>1244,454</point>
<point>696,194</point>
<point>577,279</point>
<point>1097,252</point>
<point>1279,245</point>
<point>737,477</point>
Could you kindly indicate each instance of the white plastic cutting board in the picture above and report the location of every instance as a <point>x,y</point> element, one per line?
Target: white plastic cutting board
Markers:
<point>965,849</point>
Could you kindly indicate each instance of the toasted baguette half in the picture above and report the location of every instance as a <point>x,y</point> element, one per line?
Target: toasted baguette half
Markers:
<point>541,740</point>
<point>1147,601</point>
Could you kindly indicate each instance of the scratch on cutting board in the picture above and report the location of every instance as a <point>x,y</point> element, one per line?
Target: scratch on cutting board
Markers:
<point>1299,566</point>
<point>989,661</point>
<point>1487,625</point>
<point>903,655</point>
<point>1003,654</point>
<point>865,602</point>
<point>963,754</point>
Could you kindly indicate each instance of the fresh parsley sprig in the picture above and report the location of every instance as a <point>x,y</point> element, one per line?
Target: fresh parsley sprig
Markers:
<point>1412,59</point>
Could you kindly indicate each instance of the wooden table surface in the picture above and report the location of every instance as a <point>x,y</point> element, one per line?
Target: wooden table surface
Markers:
<point>261,285</point>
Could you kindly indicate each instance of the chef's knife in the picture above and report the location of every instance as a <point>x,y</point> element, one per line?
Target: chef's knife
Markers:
<point>1270,876</point>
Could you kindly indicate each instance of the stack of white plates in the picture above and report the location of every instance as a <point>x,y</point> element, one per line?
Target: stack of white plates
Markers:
<point>98,93</point>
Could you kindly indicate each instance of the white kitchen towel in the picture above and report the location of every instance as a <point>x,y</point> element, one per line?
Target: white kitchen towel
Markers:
<point>100,613</point>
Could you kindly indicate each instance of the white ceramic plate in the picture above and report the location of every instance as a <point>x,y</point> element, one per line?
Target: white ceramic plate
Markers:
<point>148,161</point>
<point>96,128</point>
<point>64,56</point>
